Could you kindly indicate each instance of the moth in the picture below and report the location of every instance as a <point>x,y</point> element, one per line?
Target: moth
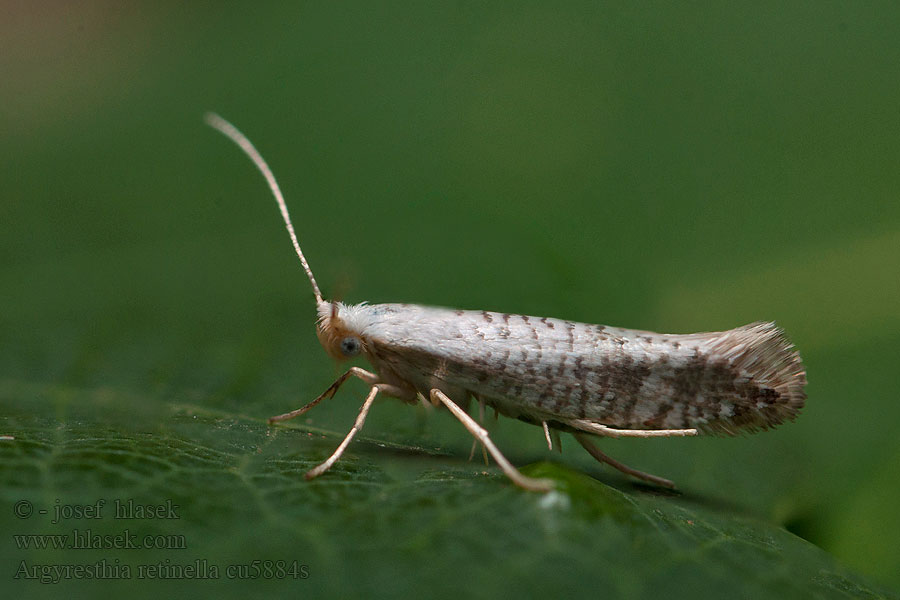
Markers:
<point>587,380</point>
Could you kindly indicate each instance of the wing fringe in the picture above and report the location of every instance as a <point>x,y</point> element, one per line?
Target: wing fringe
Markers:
<point>761,353</point>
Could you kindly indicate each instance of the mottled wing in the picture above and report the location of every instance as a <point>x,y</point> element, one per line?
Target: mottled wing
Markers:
<point>544,369</point>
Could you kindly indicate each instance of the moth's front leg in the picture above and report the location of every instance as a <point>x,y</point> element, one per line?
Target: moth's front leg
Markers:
<point>388,389</point>
<point>370,378</point>
<point>377,387</point>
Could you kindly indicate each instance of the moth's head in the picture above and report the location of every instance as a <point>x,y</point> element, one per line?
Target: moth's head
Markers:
<point>341,329</point>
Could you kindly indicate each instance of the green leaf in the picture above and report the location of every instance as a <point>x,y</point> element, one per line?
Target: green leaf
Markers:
<point>649,165</point>
<point>389,518</point>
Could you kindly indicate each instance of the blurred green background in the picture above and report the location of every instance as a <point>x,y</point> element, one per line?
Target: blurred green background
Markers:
<point>666,167</point>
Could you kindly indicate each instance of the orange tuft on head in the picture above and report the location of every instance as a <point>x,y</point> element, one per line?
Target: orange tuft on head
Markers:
<point>341,329</point>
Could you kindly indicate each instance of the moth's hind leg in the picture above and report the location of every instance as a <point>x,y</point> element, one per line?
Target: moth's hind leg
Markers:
<point>615,432</point>
<point>481,434</point>
<point>588,445</point>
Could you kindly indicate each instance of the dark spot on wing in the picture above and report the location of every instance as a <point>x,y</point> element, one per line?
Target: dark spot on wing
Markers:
<point>630,375</point>
<point>656,421</point>
<point>542,399</point>
<point>504,360</point>
<point>548,371</point>
<point>579,372</point>
<point>561,367</point>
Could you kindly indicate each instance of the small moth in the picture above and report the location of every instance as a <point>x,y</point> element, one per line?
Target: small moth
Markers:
<point>587,380</point>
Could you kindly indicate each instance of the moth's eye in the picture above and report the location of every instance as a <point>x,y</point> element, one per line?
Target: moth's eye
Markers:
<point>350,346</point>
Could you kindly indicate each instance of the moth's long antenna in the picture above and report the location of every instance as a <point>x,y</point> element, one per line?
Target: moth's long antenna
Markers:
<point>214,120</point>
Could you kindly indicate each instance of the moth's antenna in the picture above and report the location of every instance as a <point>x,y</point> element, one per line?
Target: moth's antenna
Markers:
<point>214,120</point>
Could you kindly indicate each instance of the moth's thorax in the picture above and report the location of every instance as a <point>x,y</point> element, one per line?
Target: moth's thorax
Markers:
<point>339,321</point>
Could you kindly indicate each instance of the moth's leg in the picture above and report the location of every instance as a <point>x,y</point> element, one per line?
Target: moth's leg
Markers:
<point>484,453</point>
<point>552,437</point>
<point>370,378</point>
<point>360,419</point>
<point>588,445</point>
<point>481,434</point>
<point>603,430</point>
<point>475,441</point>
<point>426,404</point>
